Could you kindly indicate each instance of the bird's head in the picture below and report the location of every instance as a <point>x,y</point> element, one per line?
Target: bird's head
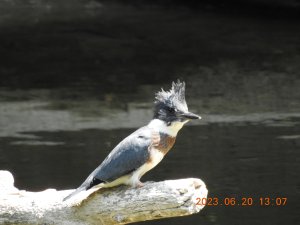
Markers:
<point>171,107</point>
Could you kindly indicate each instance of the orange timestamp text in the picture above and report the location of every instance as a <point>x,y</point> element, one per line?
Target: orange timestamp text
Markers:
<point>243,201</point>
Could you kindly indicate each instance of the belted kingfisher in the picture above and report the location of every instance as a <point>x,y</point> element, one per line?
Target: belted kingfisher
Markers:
<point>145,148</point>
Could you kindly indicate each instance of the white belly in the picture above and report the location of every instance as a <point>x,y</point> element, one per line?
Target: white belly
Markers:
<point>155,157</point>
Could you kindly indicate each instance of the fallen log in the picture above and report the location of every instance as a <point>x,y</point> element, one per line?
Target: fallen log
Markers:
<point>119,205</point>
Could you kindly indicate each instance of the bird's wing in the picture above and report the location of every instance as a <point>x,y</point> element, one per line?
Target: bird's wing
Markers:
<point>127,156</point>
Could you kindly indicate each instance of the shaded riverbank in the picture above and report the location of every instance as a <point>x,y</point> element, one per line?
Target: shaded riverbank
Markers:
<point>232,62</point>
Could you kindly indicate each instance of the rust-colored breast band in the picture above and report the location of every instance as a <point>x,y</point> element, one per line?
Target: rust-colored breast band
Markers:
<point>166,143</point>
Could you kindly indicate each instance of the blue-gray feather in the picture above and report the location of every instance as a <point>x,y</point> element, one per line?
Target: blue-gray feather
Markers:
<point>127,156</point>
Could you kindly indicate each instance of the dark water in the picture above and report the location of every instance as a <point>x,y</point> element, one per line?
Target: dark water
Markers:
<point>236,159</point>
<point>76,77</point>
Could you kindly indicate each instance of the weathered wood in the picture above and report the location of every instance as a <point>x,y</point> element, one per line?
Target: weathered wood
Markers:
<point>120,205</point>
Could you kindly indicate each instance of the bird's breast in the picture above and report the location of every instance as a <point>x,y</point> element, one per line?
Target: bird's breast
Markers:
<point>158,151</point>
<point>161,144</point>
<point>166,142</point>
<point>155,157</point>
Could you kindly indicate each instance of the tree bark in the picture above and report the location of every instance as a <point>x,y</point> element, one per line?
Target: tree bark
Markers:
<point>119,205</point>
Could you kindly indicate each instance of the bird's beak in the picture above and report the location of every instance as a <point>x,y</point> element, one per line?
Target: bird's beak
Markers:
<point>191,116</point>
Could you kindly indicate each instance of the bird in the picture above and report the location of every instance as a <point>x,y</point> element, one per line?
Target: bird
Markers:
<point>142,150</point>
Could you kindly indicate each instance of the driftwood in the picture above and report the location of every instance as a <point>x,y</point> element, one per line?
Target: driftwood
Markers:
<point>120,205</point>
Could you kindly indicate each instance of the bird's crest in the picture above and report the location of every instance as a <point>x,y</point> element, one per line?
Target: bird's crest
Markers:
<point>174,98</point>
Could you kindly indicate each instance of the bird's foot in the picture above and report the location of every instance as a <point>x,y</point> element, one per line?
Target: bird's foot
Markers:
<point>139,184</point>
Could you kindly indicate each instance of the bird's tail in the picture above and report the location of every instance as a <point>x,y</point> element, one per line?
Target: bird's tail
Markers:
<point>78,190</point>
